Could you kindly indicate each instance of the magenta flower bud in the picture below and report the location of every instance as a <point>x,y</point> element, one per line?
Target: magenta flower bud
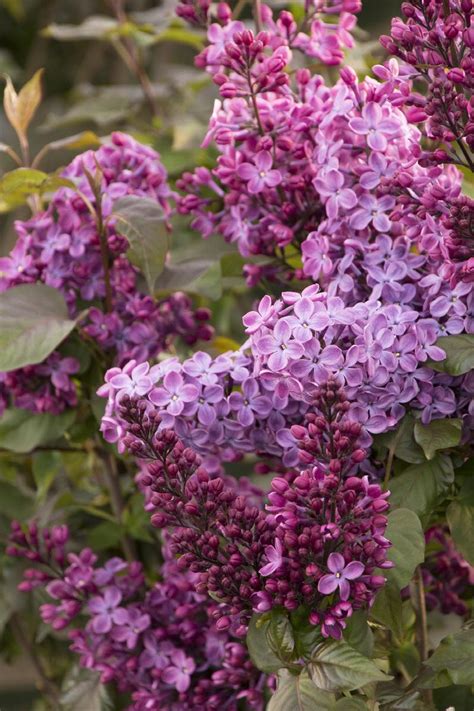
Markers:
<point>223,623</point>
<point>298,431</point>
<point>348,76</point>
<point>468,37</point>
<point>279,484</point>
<point>224,13</point>
<point>456,75</point>
<point>358,456</point>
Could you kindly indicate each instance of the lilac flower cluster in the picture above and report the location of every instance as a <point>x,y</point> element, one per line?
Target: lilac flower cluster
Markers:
<point>61,247</point>
<point>297,164</point>
<point>158,643</point>
<point>248,400</point>
<point>216,406</point>
<point>322,33</point>
<point>377,352</point>
<point>436,38</point>
<point>322,533</point>
<point>447,577</point>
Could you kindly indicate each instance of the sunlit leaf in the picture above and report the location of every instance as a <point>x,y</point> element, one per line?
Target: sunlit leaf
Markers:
<point>20,108</point>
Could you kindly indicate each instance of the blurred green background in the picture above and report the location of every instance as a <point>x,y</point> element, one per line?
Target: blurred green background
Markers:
<point>87,86</point>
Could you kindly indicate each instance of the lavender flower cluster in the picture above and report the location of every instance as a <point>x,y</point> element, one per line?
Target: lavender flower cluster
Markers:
<point>435,41</point>
<point>248,400</point>
<point>159,642</point>
<point>61,247</point>
<point>321,525</point>
<point>448,578</point>
<point>322,33</point>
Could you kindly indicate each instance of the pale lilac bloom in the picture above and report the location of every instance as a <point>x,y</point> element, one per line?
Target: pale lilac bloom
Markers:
<point>373,210</point>
<point>259,175</point>
<point>253,320</point>
<point>373,125</point>
<point>103,609</point>
<point>250,402</point>
<point>174,393</point>
<point>210,396</point>
<point>130,623</point>
<point>306,319</point>
<point>274,555</point>
<point>339,576</point>
<point>131,380</point>
<point>331,186</point>
<point>178,674</point>
<point>279,347</point>
<point>378,168</point>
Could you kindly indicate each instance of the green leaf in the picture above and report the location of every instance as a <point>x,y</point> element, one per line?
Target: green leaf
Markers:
<point>438,434</point>
<point>17,185</point>
<point>15,503</point>
<point>459,354</point>
<point>181,35</point>
<point>78,142</point>
<point>405,531</point>
<point>336,666</point>
<point>351,704</point>
<point>387,609</point>
<point>257,644</point>
<point>21,430</point>
<point>33,322</point>
<point>83,691</point>
<point>453,659</point>
<point>298,693</point>
<point>402,441</point>
<point>460,516</point>
<point>358,633</point>
<point>45,466</point>
<point>420,486</point>
<point>280,634</point>
<point>141,220</point>
<point>198,276</point>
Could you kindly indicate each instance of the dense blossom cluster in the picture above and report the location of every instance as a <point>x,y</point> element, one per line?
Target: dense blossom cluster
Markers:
<point>61,247</point>
<point>321,524</point>
<point>248,400</point>
<point>447,577</point>
<point>436,41</point>
<point>216,406</point>
<point>322,33</point>
<point>158,642</point>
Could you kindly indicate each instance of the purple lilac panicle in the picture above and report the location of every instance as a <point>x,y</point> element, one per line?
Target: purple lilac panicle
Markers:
<point>159,643</point>
<point>61,247</point>
<point>250,560</point>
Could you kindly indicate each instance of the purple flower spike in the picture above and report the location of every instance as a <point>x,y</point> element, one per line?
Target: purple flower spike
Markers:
<point>341,573</point>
